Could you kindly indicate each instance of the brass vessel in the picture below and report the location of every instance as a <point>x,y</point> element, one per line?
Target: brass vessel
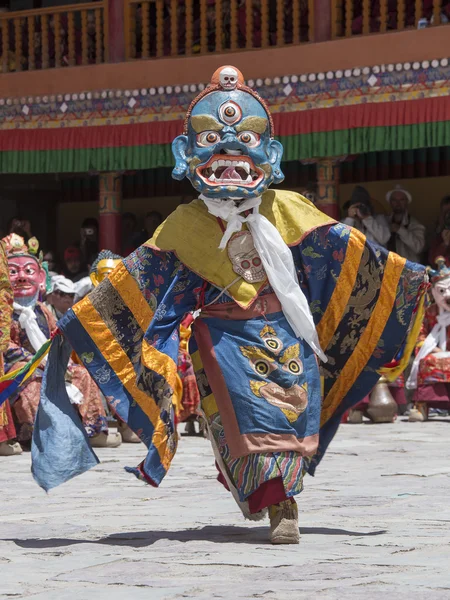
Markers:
<point>382,406</point>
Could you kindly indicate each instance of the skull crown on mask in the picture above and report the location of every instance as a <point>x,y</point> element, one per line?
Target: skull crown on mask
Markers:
<point>228,78</point>
<point>228,150</point>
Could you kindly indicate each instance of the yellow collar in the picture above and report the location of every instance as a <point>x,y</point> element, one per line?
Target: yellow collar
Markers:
<point>194,235</point>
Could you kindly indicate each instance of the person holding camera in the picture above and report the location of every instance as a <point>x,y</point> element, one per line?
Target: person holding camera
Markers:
<point>440,245</point>
<point>89,241</point>
<point>360,214</point>
<point>407,234</point>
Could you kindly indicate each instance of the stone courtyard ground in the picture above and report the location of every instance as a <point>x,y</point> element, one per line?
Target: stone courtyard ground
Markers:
<point>375,523</point>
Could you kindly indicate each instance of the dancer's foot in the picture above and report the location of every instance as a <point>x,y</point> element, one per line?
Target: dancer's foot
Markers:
<point>418,414</point>
<point>128,436</point>
<point>355,416</point>
<point>10,448</point>
<point>189,430</point>
<point>106,440</point>
<point>284,523</point>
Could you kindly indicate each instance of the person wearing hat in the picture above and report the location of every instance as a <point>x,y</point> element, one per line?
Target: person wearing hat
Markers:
<point>407,234</point>
<point>360,214</point>
<point>73,264</point>
<point>61,296</point>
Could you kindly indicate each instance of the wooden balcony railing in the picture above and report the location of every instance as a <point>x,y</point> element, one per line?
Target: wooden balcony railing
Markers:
<point>53,37</point>
<point>361,17</point>
<point>78,34</point>
<point>157,28</point>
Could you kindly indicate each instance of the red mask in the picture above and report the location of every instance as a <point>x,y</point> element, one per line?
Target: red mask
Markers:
<point>26,276</point>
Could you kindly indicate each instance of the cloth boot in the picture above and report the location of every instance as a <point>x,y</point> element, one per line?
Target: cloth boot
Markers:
<point>284,523</point>
<point>10,448</point>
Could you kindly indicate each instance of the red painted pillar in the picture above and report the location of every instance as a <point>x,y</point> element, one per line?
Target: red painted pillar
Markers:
<point>116,31</point>
<point>322,20</point>
<point>328,186</point>
<point>110,200</point>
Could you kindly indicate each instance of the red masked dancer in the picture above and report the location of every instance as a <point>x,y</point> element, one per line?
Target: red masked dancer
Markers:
<point>32,324</point>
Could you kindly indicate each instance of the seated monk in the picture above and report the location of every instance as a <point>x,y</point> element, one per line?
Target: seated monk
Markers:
<point>430,373</point>
<point>8,446</point>
<point>32,324</point>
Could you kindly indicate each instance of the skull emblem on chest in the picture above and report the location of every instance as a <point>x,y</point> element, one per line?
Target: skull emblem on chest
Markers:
<point>245,259</point>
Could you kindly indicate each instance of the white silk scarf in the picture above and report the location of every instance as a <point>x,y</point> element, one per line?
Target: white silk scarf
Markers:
<point>277,260</point>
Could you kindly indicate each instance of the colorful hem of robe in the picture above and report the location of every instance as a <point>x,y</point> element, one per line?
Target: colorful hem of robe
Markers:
<point>268,493</point>
<point>249,472</point>
<point>7,429</point>
<point>363,299</point>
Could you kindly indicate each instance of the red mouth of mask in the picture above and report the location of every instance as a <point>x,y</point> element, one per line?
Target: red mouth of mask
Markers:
<point>226,169</point>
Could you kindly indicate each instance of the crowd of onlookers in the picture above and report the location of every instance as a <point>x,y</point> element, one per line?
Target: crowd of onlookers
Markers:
<point>69,278</point>
<point>399,231</point>
<point>78,257</point>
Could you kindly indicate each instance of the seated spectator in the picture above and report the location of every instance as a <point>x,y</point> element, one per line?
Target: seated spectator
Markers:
<point>61,296</point>
<point>153,220</point>
<point>407,234</point>
<point>89,241</point>
<point>73,267</point>
<point>440,244</point>
<point>360,214</point>
<point>21,227</point>
<point>50,259</point>
<point>129,233</point>
<point>82,288</point>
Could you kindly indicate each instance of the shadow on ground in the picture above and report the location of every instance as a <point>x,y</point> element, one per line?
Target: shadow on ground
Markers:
<point>214,533</point>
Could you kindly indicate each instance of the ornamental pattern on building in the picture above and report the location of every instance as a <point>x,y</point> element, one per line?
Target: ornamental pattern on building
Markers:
<point>361,85</point>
